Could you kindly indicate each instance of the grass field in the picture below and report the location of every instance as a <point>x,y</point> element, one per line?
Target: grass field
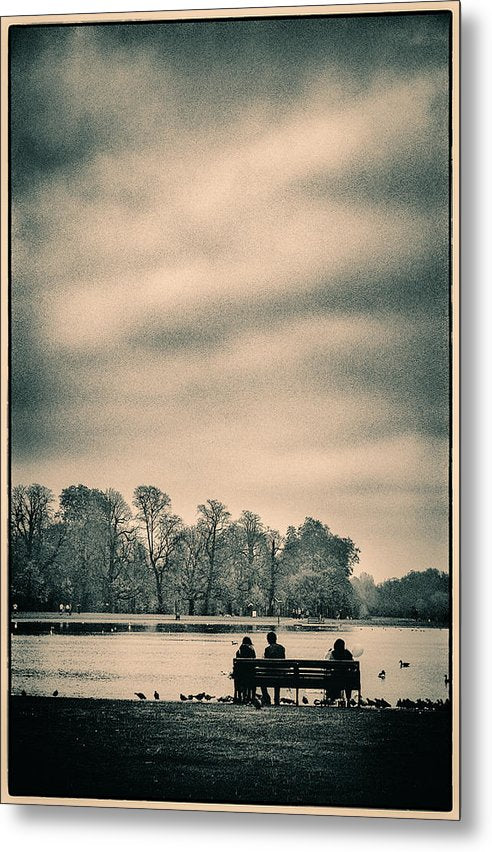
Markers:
<point>166,751</point>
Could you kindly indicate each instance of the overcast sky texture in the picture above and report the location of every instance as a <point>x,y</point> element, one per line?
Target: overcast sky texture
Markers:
<point>230,270</point>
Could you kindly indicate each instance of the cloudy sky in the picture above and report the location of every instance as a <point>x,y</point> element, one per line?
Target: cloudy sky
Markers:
<point>230,270</point>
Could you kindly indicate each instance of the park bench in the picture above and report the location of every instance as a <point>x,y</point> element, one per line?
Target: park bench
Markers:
<point>331,675</point>
<point>315,619</point>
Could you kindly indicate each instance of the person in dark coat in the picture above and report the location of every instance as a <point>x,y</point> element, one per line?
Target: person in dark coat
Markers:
<point>273,651</point>
<point>246,651</point>
<point>338,652</point>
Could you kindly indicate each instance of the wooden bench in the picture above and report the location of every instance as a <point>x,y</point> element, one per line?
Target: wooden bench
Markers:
<point>315,619</point>
<point>331,675</point>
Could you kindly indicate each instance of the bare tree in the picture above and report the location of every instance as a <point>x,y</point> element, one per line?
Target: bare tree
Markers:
<point>274,544</point>
<point>212,522</point>
<point>116,547</point>
<point>191,581</point>
<point>31,514</point>
<point>162,533</point>
<point>36,538</point>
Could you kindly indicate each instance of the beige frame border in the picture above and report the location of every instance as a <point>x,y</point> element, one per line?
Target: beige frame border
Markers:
<point>452,6</point>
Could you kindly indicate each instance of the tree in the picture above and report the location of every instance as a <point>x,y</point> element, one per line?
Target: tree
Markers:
<point>35,541</point>
<point>419,594</point>
<point>162,533</point>
<point>117,549</point>
<point>83,512</point>
<point>191,577</point>
<point>245,561</point>
<point>274,549</point>
<point>213,518</point>
<point>319,564</point>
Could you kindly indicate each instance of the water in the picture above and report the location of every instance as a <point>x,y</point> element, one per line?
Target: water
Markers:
<point>118,664</point>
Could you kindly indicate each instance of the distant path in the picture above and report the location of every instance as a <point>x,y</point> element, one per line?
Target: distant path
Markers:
<point>243,621</point>
<point>158,750</point>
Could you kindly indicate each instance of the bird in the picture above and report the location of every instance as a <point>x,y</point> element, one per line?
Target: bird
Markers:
<point>55,693</point>
<point>233,643</point>
<point>382,674</point>
<point>446,680</point>
<point>200,696</point>
<point>305,699</point>
<point>183,697</point>
<point>404,665</point>
<point>140,695</point>
<point>156,695</point>
<point>208,697</point>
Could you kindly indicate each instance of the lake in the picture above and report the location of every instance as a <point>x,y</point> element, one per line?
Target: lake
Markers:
<point>118,662</point>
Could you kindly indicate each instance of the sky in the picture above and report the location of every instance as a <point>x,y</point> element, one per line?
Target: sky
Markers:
<point>230,270</point>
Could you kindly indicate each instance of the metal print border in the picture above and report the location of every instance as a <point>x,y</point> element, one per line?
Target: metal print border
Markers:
<point>453,7</point>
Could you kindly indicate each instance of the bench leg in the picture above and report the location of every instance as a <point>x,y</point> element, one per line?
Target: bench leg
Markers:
<point>297,696</point>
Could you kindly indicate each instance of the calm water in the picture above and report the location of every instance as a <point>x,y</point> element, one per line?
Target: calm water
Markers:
<point>115,665</point>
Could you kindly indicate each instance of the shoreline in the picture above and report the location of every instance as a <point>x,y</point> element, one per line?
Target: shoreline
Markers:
<point>189,752</point>
<point>233,622</point>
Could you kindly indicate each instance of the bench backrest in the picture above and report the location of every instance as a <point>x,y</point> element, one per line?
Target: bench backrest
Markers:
<point>306,673</point>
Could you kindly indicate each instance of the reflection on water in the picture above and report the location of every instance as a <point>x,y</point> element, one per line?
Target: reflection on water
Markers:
<point>118,663</point>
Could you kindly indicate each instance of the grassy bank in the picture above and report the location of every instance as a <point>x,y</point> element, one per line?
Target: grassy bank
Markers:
<point>220,753</point>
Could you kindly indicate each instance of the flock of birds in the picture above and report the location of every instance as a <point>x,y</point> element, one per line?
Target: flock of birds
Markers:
<point>380,703</point>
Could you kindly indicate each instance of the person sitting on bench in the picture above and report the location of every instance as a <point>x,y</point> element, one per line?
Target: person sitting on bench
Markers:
<point>246,651</point>
<point>338,652</point>
<point>273,651</point>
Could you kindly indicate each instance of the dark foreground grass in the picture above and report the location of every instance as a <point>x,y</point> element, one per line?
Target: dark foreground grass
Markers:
<point>165,751</point>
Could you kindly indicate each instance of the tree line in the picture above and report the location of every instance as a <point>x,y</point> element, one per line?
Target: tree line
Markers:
<point>97,553</point>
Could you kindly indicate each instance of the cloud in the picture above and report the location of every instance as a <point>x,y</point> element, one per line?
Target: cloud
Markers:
<point>231,273</point>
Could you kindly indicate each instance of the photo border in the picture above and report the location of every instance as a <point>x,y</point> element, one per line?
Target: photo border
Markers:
<point>452,6</point>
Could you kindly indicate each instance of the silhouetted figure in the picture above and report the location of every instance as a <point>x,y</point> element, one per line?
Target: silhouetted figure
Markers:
<point>156,695</point>
<point>141,696</point>
<point>305,699</point>
<point>338,652</point>
<point>382,674</point>
<point>183,697</point>
<point>273,651</point>
<point>246,652</point>
<point>55,693</point>
<point>404,665</point>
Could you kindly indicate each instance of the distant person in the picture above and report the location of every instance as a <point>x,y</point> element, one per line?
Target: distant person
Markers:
<point>246,651</point>
<point>68,608</point>
<point>14,608</point>
<point>62,609</point>
<point>338,652</point>
<point>273,651</point>
<point>78,609</point>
